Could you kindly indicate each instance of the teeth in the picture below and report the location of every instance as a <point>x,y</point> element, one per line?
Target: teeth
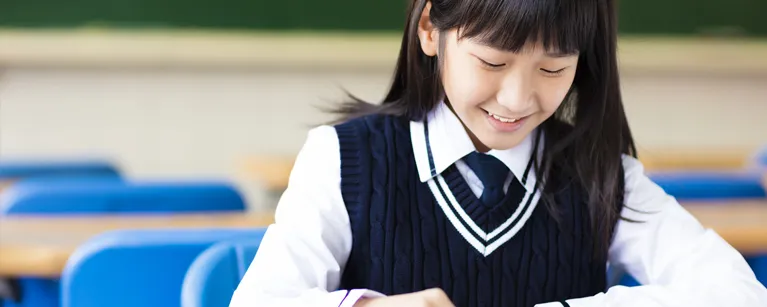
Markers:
<point>503,119</point>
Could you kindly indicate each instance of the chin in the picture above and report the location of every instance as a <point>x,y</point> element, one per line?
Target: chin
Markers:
<point>504,146</point>
<point>499,142</point>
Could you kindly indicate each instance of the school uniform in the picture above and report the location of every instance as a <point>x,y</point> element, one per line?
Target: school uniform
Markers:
<point>383,206</point>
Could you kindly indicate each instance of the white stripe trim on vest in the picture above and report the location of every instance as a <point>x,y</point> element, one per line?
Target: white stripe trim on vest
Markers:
<point>478,238</point>
<point>516,227</point>
<point>473,241</point>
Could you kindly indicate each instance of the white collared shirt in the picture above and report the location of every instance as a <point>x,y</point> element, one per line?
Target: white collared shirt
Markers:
<point>302,256</point>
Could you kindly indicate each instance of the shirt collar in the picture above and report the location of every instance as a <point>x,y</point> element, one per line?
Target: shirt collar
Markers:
<point>449,143</point>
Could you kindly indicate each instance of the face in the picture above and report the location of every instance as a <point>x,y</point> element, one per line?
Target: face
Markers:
<point>501,96</point>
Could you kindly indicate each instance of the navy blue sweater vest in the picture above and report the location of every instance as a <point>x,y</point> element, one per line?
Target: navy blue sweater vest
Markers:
<point>403,242</point>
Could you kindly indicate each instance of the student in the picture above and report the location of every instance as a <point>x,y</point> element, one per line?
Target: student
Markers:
<point>498,171</point>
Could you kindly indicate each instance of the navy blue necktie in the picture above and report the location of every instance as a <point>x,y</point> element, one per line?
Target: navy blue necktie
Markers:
<point>493,174</point>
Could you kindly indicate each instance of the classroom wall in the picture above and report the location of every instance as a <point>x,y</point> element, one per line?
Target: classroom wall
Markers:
<point>181,123</point>
<point>190,105</point>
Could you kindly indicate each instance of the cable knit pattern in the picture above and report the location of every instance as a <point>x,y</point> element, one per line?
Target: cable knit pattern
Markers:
<point>403,242</point>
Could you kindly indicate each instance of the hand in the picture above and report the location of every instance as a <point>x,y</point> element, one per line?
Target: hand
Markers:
<point>427,298</point>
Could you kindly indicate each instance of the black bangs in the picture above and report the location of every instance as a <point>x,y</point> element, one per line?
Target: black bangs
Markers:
<point>564,26</point>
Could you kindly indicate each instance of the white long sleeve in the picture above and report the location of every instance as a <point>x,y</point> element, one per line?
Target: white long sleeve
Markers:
<point>679,262</point>
<point>302,255</point>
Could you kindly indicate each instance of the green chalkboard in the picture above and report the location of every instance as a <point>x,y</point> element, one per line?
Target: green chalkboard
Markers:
<point>362,15</point>
<point>685,17</point>
<point>723,17</point>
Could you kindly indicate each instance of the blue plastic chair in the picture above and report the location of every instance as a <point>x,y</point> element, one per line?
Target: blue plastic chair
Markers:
<point>215,274</point>
<point>137,267</point>
<point>15,169</point>
<point>96,194</point>
<point>111,196</point>
<point>711,185</point>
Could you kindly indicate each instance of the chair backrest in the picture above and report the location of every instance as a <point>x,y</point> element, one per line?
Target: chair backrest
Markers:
<point>215,274</point>
<point>15,169</point>
<point>105,196</point>
<point>711,185</point>
<point>137,267</point>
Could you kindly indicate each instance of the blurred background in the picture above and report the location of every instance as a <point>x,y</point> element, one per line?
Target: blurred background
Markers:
<point>201,106</point>
<point>173,88</point>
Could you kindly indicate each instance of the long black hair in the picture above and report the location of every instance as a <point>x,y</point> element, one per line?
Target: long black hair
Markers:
<point>587,135</point>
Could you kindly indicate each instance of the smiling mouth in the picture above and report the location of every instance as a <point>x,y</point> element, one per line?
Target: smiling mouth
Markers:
<point>504,119</point>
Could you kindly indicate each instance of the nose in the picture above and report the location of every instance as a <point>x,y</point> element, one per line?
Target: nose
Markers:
<point>516,91</point>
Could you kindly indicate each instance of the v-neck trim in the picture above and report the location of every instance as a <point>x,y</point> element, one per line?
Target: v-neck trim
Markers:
<point>483,234</point>
<point>486,216</point>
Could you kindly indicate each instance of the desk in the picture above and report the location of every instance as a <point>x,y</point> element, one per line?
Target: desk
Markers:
<point>40,246</point>
<point>743,224</point>
<point>272,172</point>
<point>691,159</point>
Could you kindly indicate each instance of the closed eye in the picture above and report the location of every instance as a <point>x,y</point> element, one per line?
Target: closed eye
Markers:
<point>491,65</point>
<point>553,72</point>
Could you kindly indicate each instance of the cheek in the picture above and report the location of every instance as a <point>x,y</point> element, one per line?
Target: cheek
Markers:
<point>466,85</point>
<point>553,94</point>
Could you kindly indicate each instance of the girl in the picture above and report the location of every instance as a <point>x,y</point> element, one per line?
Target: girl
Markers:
<point>498,171</point>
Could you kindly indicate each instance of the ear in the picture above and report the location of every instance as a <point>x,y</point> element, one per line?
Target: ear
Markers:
<point>427,34</point>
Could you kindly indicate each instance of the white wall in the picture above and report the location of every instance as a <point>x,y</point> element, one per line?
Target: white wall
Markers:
<point>170,123</point>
